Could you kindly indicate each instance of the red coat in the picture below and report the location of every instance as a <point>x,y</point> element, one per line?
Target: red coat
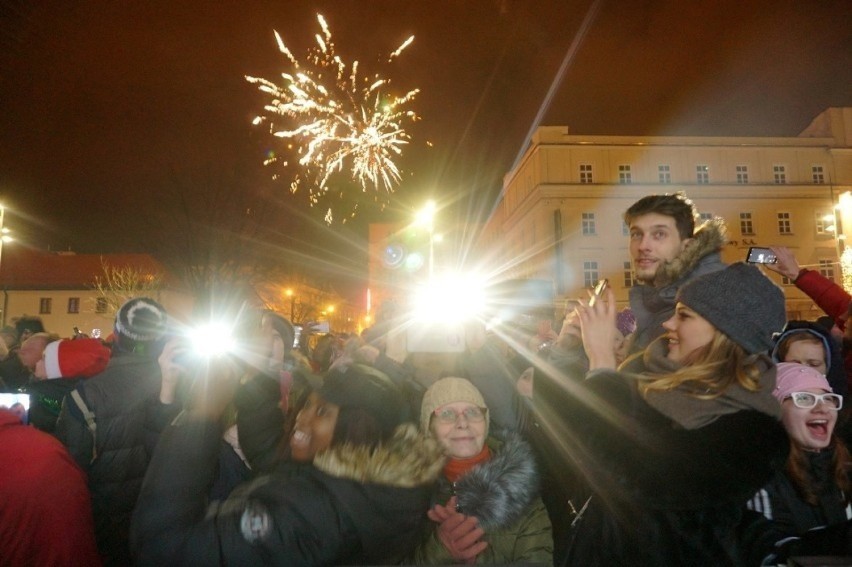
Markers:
<point>45,509</point>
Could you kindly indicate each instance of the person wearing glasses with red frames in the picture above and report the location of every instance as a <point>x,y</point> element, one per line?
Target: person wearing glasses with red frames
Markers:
<point>807,504</point>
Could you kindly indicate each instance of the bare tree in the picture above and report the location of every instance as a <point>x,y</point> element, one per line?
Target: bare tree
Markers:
<point>121,283</point>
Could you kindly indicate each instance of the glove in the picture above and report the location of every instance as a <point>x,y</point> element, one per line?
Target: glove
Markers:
<point>460,534</point>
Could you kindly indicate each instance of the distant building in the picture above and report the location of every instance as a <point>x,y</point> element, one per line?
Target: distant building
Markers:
<point>60,289</point>
<point>560,213</point>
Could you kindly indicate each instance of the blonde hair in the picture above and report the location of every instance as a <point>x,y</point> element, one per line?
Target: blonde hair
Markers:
<point>710,370</point>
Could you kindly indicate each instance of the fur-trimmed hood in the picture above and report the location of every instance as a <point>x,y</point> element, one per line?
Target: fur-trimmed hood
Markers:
<point>499,491</point>
<point>407,460</point>
<point>708,238</point>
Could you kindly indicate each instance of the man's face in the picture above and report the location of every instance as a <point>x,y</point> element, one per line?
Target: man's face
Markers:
<point>31,352</point>
<point>654,240</point>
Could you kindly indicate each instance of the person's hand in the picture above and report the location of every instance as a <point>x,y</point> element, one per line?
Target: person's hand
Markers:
<point>597,323</point>
<point>786,263</point>
<point>216,382</point>
<point>170,369</point>
<point>460,534</point>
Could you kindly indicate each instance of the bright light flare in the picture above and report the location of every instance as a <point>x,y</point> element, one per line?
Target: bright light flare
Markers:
<point>342,122</point>
<point>452,298</point>
<point>212,339</point>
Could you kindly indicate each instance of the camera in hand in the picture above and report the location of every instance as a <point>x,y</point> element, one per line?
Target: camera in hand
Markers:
<point>761,255</point>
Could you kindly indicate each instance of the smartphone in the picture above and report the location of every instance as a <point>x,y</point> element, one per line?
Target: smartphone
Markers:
<point>761,255</point>
<point>600,288</point>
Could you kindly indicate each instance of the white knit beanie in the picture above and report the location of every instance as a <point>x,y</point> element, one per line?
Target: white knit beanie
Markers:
<point>446,391</point>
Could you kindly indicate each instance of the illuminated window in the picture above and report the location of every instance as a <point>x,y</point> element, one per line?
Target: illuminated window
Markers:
<point>629,275</point>
<point>590,273</point>
<point>742,174</point>
<point>817,174</point>
<point>826,269</point>
<point>586,173</point>
<point>702,174</point>
<point>784,225</point>
<point>625,175</point>
<point>824,222</point>
<point>589,228</point>
<point>779,173</point>
<point>101,305</point>
<point>44,305</point>
<point>746,226</point>
<point>73,305</point>
<point>665,173</point>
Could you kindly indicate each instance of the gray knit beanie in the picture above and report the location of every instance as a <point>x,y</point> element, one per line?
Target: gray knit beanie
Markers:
<point>741,302</point>
<point>446,391</point>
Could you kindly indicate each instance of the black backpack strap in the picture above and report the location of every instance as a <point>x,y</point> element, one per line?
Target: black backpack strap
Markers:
<point>89,417</point>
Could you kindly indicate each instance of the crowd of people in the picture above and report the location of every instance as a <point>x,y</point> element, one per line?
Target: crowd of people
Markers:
<point>698,426</point>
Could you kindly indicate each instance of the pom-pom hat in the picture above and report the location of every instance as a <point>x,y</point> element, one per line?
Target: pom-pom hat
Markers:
<point>739,301</point>
<point>78,358</point>
<point>446,391</point>
<point>794,377</point>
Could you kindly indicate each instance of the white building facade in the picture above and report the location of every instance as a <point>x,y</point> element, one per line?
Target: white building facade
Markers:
<point>560,213</point>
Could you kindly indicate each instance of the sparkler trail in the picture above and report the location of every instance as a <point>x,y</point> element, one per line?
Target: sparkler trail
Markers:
<point>341,122</point>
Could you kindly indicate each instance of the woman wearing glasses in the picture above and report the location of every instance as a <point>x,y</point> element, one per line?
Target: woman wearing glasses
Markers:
<point>808,501</point>
<point>487,508</point>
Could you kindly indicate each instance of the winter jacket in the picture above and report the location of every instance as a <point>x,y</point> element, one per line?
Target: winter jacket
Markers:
<point>355,506</point>
<point>836,372</point>
<point>45,516</point>
<point>124,399</point>
<point>502,494</point>
<point>661,493</point>
<point>653,303</point>
<point>791,516</point>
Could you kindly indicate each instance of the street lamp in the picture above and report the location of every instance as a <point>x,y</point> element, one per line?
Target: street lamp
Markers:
<point>426,217</point>
<point>289,293</point>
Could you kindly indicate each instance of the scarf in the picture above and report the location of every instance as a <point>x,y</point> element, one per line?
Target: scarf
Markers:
<point>456,468</point>
<point>683,407</point>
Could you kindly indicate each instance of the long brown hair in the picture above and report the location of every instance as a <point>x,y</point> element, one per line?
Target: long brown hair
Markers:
<point>799,471</point>
<point>711,369</point>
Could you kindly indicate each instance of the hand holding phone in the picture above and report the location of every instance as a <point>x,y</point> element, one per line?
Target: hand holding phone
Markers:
<point>600,288</point>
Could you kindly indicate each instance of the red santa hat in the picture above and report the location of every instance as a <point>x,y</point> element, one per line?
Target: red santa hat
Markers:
<point>77,358</point>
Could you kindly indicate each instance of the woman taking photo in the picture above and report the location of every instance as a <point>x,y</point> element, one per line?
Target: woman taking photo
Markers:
<point>486,508</point>
<point>362,501</point>
<point>672,444</point>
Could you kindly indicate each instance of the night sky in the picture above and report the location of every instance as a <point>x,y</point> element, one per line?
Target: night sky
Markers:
<point>111,108</point>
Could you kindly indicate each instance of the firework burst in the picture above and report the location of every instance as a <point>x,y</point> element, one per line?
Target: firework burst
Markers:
<point>339,121</point>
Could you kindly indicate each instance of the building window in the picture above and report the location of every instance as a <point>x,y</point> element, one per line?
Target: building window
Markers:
<point>629,275</point>
<point>625,229</point>
<point>817,174</point>
<point>702,174</point>
<point>786,281</point>
<point>746,226</point>
<point>704,217</point>
<point>665,173</point>
<point>586,173</point>
<point>590,273</point>
<point>824,223</point>
<point>73,305</point>
<point>779,173</point>
<point>589,224</point>
<point>826,269</point>
<point>44,305</point>
<point>101,305</point>
<point>742,174</point>
<point>625,175</point>
<point>784,226</point>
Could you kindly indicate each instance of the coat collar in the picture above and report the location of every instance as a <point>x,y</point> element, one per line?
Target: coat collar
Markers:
<point>708,238</point>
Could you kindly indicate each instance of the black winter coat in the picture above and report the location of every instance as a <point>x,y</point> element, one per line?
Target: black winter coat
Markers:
<point>353,507</point>
<point>660,494</point>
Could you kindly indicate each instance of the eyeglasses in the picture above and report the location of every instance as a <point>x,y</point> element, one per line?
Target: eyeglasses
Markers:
<point>473,414</point>
<point>807,400</point>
